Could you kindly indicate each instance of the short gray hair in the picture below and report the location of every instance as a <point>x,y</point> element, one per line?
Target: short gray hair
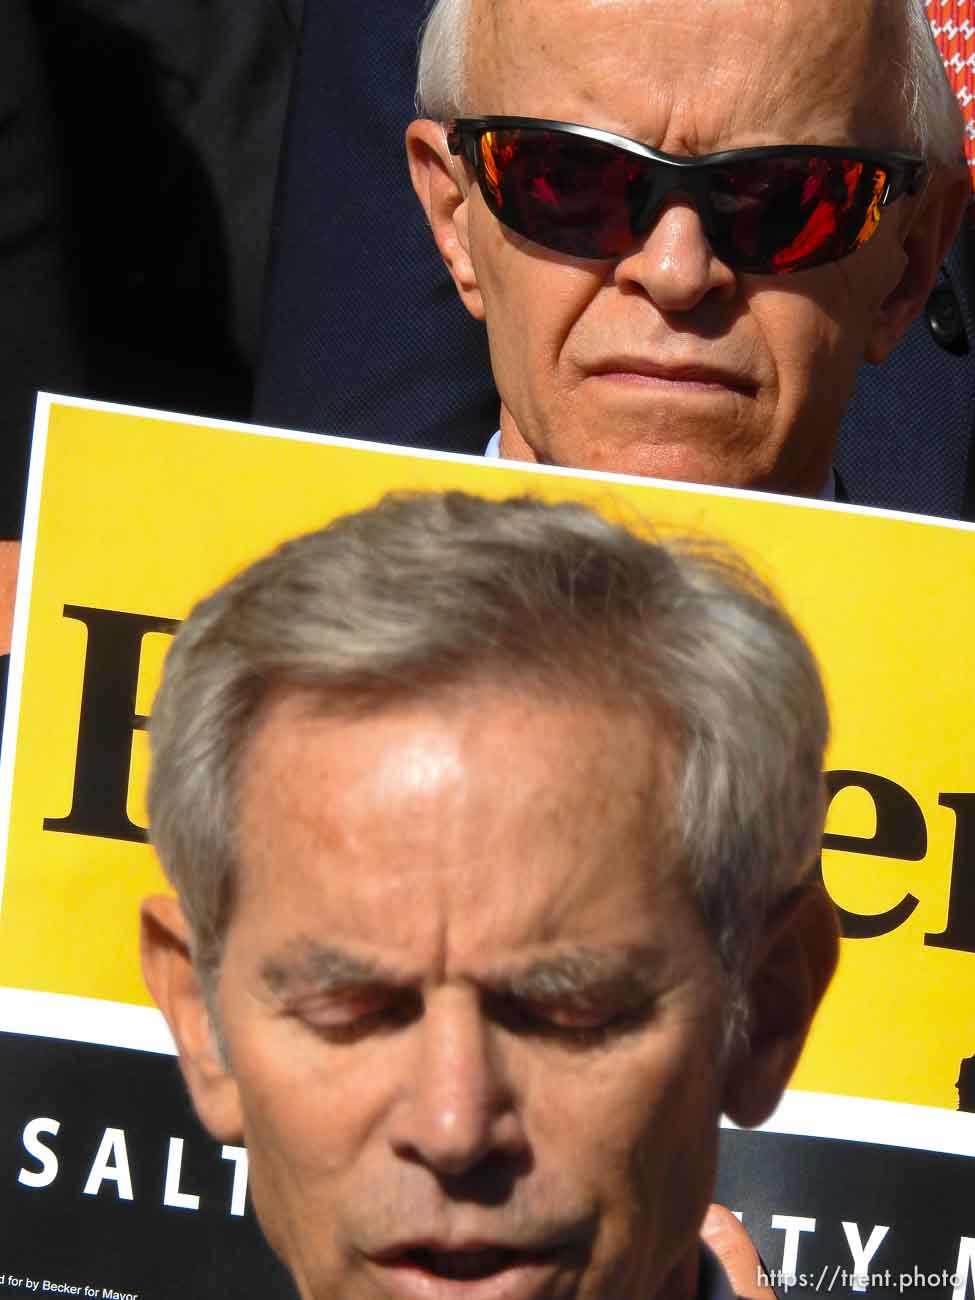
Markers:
<point>935,125</point>
<point>441,78</point>
<point>424,595</point>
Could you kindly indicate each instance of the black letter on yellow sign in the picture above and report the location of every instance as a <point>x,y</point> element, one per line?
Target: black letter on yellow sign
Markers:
<point>901,833</point>
<point>108,719</point>
<point>959,931</point>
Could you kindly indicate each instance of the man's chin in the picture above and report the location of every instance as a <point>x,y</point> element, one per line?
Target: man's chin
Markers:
<point>668,462</point>
<point>689,453</point>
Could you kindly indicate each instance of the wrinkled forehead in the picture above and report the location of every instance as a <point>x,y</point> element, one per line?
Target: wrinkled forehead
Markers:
<point>715,73</point>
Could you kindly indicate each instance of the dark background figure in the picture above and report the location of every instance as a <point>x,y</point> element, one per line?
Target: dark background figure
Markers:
<point>38,344</point>
<point>139,147</point>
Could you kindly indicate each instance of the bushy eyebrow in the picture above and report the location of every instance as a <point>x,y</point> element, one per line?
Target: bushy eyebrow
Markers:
<point>587,973</point>
<point>590,973</point>
<point>305,964</point>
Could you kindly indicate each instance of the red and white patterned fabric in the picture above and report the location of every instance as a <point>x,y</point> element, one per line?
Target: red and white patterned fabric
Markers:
<point>953,24</point>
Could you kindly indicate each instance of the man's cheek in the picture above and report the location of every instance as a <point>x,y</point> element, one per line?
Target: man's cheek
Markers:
<point>807,347</point>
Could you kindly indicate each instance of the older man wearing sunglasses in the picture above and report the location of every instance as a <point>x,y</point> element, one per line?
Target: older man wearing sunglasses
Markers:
<point>685,229</point>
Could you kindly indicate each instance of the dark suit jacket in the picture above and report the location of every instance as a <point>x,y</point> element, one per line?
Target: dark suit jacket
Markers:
<point>908,439</point>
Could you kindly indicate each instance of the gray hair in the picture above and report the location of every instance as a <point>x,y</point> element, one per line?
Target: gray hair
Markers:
<point>441,91</point>
<point>426,595</point>
<point>935,125</point>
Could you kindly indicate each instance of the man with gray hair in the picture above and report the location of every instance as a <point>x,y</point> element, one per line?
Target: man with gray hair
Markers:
<point>493,828</point>
<point>686,228</point>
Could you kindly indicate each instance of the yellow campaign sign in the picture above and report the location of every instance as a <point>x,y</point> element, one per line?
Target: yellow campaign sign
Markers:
<point>133,516</point>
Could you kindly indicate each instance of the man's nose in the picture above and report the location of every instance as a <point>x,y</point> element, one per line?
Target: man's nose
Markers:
<point>674,264</point>
<point>457,1106</point>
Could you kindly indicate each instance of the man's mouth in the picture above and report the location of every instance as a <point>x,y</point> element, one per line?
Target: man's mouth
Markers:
<point>487,1271</point>
<point>466,1265</point>
<point>686,375</point>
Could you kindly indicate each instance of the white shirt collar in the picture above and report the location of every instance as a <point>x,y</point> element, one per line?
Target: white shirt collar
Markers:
<point>493,452</point>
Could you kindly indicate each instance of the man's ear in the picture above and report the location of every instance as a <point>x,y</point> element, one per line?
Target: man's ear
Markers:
<point>932,229</point>
<point>793,965</point>
<point>445,196</point>
<point>174,984</point>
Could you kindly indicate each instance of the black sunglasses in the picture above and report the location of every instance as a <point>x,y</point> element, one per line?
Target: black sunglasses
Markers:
<point>590,193</point>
